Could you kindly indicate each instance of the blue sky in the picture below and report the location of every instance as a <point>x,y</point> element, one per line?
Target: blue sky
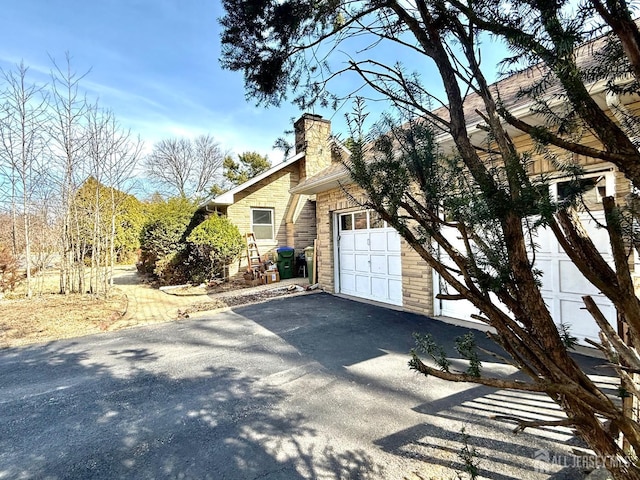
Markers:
<point>153,62</point>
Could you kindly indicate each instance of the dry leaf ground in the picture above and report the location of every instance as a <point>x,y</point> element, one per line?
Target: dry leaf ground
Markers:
<point>50,316</point>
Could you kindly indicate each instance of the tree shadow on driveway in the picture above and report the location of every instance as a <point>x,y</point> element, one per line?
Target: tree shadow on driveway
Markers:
<point>342,334</point>
<point>64,414</point>
<point>306,387</point>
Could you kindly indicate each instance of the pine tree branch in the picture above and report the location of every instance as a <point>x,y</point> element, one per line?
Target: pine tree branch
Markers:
<point>545,135</point>
<point>418,365</point>
<point>628,354</point>
<point>522,424</point>
<point>497,356</point>
<point>442,296</point>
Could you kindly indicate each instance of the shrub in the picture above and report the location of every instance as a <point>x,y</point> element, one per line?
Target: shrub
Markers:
<point>161,249</point>
<point>161,236</point>
<point>214,244</point>
<point>171,269</point>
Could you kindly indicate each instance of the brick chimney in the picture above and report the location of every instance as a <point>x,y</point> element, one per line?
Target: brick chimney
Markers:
<point>312,137</point>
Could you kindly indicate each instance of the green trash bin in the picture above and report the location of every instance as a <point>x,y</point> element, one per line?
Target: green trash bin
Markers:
<point>286,262</point>
<point>308,256</point>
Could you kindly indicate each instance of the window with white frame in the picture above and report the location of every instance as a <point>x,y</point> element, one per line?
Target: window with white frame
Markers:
<point>593,186</point>
<point>262,223</point>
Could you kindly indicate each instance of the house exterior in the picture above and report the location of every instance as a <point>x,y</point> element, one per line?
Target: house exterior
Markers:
<point>357,253</point>
<point>360,256</point>
<point>263,204</point>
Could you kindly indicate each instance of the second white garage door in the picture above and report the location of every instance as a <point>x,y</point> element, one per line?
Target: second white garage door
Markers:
<point>563,286</point>
<point>368,257</point>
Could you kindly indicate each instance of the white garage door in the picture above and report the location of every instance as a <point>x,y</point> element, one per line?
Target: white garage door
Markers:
<point>368,257</point>
<point>562,284</point>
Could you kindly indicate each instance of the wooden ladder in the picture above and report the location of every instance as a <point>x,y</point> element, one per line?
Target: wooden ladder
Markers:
<point>253,256</point>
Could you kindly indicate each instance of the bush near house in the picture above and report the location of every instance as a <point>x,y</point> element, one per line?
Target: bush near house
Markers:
<point>173,269</point>
<point>214,244</point>
<point>158,240</point>
<point>163,233</point>
<point>179,246</point>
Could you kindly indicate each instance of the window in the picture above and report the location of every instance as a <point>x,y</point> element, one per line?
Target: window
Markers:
<point>591,188</point>
<point>262,223</point>
<point>346,222</point>
<point>360,220</point>
<point>375,220</point>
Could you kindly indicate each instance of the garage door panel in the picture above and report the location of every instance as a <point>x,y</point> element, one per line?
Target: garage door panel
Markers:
<point>361,242</point>
<point>363,284</point>
<point>457,309</point>
<point>547,275</point>
<point>395,290</point>
<point>572,281</point>
<point>362,263</point>
<point>546,242</point>
<point>347,261</point>
<point>393,241</point>
<point>394,265</point>
<point>378,241</point>
<point>598,235</point>
<point>379,264</point>
<point>347,243</point>
<point>370,261</point>
<point>379,287</point>
<point>348,282</point>
<point>600,238</point>
<point>581,323</point>
<point>548,300</point>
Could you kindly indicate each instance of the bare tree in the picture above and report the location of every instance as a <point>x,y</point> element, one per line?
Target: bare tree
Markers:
<point>114,154</point>
<point>68,140</point>
<point>211,157</point>
<point>188,168</point>
<point>24,109</point>
<point>53,142</point>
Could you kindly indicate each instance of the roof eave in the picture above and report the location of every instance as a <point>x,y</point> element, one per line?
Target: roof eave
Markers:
<point>228,198</point>
<point>322,185</point>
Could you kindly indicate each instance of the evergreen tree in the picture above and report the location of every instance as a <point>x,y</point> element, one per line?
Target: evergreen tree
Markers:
<point>249,165</point>
<point>483,183</point>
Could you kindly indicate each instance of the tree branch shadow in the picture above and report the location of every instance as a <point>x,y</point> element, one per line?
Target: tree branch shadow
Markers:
<point>65,416</point>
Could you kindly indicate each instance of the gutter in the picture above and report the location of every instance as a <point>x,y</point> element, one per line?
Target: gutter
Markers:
<point>621,111</point>
<point>445,141</point>
<point>323,184</point>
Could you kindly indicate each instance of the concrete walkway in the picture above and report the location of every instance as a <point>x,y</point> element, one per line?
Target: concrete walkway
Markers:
<point>148,305</point>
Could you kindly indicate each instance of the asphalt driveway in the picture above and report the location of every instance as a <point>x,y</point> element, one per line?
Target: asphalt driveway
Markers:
<point>306,387</point>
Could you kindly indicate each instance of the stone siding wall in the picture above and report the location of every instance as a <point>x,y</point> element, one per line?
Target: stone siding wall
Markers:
<point>271,192</point>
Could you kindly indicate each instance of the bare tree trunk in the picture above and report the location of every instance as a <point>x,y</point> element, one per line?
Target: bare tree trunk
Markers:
<point>112,238</point>
<point>69,137</point>
<point>21,132</point>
